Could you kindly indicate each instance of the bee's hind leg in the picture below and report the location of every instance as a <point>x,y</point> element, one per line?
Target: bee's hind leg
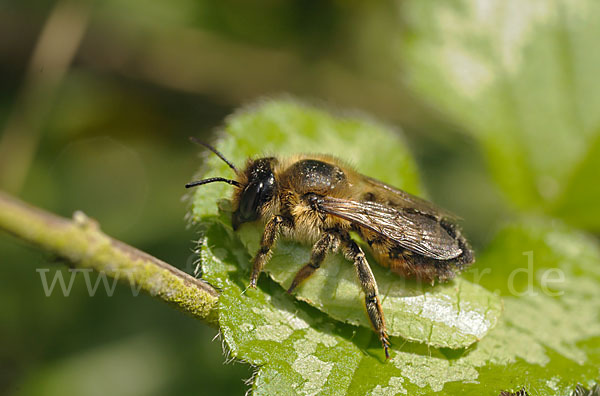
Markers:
<point>369,285</point>
<point>327,242</point>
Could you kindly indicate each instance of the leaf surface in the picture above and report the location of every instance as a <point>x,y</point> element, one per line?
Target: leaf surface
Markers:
<point>547,339</point>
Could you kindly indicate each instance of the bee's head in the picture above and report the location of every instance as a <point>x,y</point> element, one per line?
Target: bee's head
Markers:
<point>257,190</point>
<point>255,186</point>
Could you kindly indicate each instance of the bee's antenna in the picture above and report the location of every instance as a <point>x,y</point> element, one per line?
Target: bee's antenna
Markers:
<point>214,150</point>
<point>212,180</point>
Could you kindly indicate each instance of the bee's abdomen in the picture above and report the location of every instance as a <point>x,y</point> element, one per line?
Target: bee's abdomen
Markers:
<point>409,264</point>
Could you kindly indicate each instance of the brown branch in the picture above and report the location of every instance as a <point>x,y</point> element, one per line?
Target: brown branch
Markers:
<point>81,241</point>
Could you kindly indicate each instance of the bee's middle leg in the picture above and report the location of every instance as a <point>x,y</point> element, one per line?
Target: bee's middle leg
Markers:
<point>327,242</point>
<point>369,286</point>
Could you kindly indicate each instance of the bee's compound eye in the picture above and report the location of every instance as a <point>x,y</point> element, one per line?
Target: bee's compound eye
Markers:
<point>256,194</point>
<point>250,202</point>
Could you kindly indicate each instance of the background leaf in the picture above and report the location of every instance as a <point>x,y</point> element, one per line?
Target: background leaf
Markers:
<point>520,77</point>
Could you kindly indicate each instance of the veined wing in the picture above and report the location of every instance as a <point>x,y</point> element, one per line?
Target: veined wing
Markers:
<point>412,230</point>
<point>401,199</point>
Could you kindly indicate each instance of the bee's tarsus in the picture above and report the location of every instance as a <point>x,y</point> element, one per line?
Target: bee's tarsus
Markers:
<point>385,341</point>
<point>386,348</point>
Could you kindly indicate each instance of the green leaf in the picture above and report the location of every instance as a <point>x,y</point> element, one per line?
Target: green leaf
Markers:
<point>522,77</point>
<point>547,340</point>
<point>301,349</point>
<point>545,343</point>
<point>453,315</point>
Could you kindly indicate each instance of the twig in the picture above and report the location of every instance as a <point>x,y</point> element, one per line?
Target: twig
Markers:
<point>81,241</point>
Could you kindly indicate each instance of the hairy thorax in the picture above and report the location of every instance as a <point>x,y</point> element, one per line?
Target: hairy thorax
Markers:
<point>300,179</point>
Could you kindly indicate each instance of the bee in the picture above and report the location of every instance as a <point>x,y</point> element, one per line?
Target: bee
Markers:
<point>317,199</point>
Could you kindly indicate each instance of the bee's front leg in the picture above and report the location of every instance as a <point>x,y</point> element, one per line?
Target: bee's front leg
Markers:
<point>369,285</point>
<point>328,241</point>
<point>269,237</point>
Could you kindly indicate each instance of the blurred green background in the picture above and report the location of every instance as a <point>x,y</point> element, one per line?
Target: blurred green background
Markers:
<point>97,102</point>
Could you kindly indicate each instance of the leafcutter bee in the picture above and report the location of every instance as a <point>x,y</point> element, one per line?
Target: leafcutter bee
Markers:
<point>320,200</point>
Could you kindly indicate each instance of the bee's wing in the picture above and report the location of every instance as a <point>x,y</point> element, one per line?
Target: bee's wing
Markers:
<point>402,199</point>
<point>412,230</point>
